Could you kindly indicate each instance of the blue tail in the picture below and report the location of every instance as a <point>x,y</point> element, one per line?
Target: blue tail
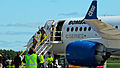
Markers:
<point>92,12</point>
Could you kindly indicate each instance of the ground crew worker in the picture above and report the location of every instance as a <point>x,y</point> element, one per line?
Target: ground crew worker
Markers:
<point>42,61</point>
<point>31,59</point>
<point>49,60</point>
<point>34,42</point>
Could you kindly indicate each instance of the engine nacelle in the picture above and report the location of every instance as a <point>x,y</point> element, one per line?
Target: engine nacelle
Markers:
<point>85,53</point>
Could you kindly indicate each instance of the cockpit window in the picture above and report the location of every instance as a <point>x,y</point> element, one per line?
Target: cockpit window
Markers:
<point>72,29</point>
<point>67,29</point>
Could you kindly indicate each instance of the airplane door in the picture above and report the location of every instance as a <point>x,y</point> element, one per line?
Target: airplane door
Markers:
<point>48,25</point>
<point>58,33</point>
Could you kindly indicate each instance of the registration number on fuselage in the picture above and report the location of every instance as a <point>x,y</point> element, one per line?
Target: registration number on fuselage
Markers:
<point>74,36</point>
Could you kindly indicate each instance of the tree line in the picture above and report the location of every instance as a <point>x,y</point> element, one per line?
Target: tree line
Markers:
<point>10,54</point>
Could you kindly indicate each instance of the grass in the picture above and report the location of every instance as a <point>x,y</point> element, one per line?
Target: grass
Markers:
<point>113,65</point>
<point>113,62</point>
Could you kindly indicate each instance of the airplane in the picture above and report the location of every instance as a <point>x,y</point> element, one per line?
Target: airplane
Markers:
<point>85,41</point>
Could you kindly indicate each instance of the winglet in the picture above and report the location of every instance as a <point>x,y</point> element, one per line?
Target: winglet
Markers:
<point>92,12</point>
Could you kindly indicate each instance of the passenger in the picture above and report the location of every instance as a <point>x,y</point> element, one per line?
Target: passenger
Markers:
<point>17,61</point>
<point>49,60</point>
<point>43,34</point>
<point>39,27</point>
<point>31,60</point>
<point>42,61</point>
<point>38,32</point>
<point>34,42</point>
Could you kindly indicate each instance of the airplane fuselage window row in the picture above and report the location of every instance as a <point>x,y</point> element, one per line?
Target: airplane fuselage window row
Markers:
<point>78,29</point>
<point>116,27</point>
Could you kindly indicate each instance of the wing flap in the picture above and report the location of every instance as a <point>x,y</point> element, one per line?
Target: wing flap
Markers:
<point>105,30</point>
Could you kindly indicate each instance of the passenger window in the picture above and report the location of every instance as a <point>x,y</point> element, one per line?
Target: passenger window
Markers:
<point>72,29</point>
<point>116,27</point>
<point>80,29</point>
<point>76,29</point>
<point>85,28</point>
<point>67,29</point>
<point>89,29</point>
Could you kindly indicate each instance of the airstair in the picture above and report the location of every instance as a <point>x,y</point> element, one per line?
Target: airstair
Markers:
<point>44,46</point>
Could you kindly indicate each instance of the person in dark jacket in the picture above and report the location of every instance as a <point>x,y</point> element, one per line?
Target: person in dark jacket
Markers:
<point>34,42</point>
<point>17,61</point>
<point>4,61</point>
<point>43,34</point>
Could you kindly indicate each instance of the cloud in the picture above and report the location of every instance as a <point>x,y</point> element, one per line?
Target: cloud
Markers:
<point>69,14</point>
<point>14,45</point>
<point>14,42</point>
<point>20,42</point>
<point>6,42</point>
<point>14,33</point>
<point>21,25</point>
<point>11,47</point>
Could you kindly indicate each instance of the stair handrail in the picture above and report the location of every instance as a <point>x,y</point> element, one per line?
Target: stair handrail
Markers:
<point>41,46</point>
<point>29,45</point>
<point>37,46</point>
<point>47,50</point>
<point>27,48</point>
<point>41,41</point>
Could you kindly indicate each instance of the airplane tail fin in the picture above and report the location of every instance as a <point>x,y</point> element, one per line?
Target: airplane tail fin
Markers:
<point>92,12</point>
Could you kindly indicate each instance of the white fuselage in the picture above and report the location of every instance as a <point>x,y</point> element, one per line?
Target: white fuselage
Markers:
<point>73,31</point>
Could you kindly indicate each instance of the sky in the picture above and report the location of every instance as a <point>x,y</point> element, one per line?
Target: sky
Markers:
<point>19,19</point>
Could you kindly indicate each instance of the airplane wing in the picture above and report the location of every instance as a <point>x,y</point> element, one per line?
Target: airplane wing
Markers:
<point>105,30</point>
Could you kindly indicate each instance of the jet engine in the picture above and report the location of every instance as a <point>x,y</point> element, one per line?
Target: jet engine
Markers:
<point>86,53</point>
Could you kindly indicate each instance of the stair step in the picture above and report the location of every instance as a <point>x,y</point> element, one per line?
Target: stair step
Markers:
<point>56,41</point>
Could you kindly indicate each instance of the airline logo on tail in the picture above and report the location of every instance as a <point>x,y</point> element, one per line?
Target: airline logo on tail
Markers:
<point>92,12</point>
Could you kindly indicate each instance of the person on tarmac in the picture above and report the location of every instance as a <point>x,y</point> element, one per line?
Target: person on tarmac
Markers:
<point>17,61</point>
<point>42,60</point>
<point>4,61</point>
<point>49,60</point>
<point>34,42</point>
<point>31,60</point>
